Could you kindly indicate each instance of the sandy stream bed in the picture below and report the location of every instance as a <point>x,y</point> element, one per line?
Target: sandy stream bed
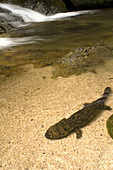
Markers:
<point>32,102</point>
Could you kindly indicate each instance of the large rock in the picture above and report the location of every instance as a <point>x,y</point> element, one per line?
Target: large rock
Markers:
<point>49,7</point>
<point>8,21</point>
<point>88,4</point>
<point>46,7</point>
<point>70,5</point>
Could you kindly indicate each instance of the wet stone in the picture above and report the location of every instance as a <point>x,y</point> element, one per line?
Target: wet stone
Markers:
<point>82,59</point>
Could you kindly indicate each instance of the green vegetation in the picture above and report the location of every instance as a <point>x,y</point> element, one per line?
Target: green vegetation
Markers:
<point>110,126</point>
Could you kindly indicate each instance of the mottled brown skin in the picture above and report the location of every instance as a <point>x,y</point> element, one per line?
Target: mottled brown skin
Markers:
<point>66,126</point>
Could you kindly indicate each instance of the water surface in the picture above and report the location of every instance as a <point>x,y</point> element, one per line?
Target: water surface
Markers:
<point>43,43</point>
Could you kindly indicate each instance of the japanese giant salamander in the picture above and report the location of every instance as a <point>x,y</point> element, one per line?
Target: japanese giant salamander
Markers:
<point>65,126</point>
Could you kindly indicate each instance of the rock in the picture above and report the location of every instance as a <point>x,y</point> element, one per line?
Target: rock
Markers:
<point>75,56</point>
<point>4,28</point>
<point>49,7</point>
<point>69,5</point>
<point>89,4</point>
<point>46,7</point>
<point>82,59</point>
<point>8,21</point>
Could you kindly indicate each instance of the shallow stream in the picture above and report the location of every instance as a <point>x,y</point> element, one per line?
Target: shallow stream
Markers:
<point>46,42</point>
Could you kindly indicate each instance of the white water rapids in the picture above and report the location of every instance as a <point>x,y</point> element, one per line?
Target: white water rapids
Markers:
<point>30,16</point>
<point>10,42</point>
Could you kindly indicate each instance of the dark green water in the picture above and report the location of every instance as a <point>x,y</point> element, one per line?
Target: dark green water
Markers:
<point>53,41</point>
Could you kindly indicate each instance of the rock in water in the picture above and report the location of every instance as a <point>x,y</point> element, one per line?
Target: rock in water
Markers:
<point>47,7</point>
<point>82,59</point>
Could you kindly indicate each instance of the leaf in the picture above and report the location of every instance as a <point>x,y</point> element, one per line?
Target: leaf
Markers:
<point>110,126</point>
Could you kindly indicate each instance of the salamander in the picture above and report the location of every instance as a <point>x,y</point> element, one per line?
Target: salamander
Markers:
<point>79,119</point>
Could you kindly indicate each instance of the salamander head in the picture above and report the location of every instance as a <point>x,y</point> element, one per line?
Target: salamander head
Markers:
<point>107,91</point>
<point>57,131</point>
<point>51,133</point>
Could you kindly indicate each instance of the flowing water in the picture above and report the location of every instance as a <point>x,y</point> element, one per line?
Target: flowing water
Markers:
<point>44,40</point>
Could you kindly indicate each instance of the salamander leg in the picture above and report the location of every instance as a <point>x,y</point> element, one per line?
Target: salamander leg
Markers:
<point>78,133</point>
<point>86,104</point>
<point>107,108</point>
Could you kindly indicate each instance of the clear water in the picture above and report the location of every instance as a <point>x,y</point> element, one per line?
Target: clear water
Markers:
<point>43,43</point>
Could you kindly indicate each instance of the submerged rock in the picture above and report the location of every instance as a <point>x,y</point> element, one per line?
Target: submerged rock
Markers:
<point>81,60</point>
<point>76,56</point>
<point>110,126</point>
